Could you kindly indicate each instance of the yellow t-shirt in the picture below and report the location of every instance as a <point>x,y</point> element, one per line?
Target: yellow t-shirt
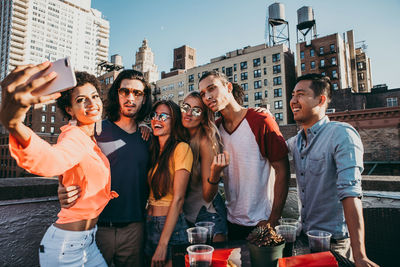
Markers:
<point>182,159</point>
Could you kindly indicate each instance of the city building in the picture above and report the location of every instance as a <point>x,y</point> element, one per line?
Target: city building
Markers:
<point>267,75</point>
<point>145,63</point>
<point>337,58</point>
<point>34,31</point>
<point>184,58</point>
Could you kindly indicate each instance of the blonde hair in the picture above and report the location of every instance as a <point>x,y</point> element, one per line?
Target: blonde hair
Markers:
<point>207,129</point>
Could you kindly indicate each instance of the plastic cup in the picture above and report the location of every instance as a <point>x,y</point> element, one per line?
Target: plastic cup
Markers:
<point>290,221</point>
<point>200,255</point>
<point>210,228</point>
<point>197,235</point>
<point>319,241</point>
<point>289,234</point>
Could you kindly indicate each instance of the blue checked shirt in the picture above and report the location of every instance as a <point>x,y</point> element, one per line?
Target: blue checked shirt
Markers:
<point>328,169</point>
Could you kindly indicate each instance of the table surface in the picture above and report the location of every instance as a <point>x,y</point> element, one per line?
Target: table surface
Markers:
<point>300,248</point>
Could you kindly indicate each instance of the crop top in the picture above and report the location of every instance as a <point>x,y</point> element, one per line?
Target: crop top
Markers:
<point>78,158</point>
<point>182,159</point>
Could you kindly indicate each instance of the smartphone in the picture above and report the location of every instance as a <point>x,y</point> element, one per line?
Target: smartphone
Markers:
<point>65,78</point>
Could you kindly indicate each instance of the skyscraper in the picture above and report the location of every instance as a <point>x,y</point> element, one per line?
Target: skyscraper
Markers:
<point>144,62</point>
<point>33,31</point>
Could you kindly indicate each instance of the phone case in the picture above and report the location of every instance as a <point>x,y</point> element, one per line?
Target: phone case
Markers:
<point>65,78</point>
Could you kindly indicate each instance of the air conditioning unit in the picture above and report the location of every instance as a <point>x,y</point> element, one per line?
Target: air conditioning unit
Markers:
<point>330,110</point>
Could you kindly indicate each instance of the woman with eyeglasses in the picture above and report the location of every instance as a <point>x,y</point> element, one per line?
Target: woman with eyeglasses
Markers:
<point>203,202</point>
<point>170,167</point>
<point>70,241</point>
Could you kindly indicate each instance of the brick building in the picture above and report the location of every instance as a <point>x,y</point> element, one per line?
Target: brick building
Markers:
<point>336,58</point>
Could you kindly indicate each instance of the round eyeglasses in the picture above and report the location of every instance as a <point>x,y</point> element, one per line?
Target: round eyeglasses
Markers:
<point>196,111</point>
<point>159,117</point>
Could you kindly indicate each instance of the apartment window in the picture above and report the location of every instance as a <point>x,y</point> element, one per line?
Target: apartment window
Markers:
<point>264,59</point>
<point>265,71</point>
<point>302,55</point>
<point>361,87</point>
<point>257,84</point>
<point>42,129</point>
<point>335,86</point>
<point>360,76</point>
<point>392,102</point>
<point>277,80</point>
<point>322,63</point>
<point>191,78</point>
<point>257,73</point>
<point>321,50</point>
<point>43,118</point>
<point>44,108</point>
<point>229,71</point>
<point>265,82</point>
<point>276,57</point>
<point>278,104</point>
<point>52,119</point>
<point>223,69</point>
<point>266,93</point>
<point>334,74</point>
<point>332,48</point>
<point>245,86</point>
<point>191,87</point>
<point>235,78</point>
<point>276,69</point>
<point>312,53</point>
<point>303,66</point>
<point>333,61</point>
<point>243,76</point>
<point>323,73</point>
<point>360,65</point>
<point>279,116</point>
<point>278,92</point>
<point>256,62</point>
<point>312,64</point>
<point>234,67</point>
<point>257,95</point>
<point>53,108</point>
<point>246,98</point>
<point>243,65</point>
<point>52,129</point>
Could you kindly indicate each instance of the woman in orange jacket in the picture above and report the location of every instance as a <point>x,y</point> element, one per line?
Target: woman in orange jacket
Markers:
<point>76,156</point>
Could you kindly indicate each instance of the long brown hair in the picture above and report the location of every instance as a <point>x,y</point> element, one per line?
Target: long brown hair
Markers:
<point>161,181</point>
<point>207,129</point>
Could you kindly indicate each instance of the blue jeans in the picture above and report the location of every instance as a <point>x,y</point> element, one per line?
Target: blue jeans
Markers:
<point>154,227</point>
<point>70,248</point>
<point>218,218</point>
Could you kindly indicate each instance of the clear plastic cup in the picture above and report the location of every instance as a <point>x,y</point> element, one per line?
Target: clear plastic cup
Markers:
<point>210,228</point>
<point>290,221</point>
<point>200,255</point>
<point>289,234</point>
<point>319,241</point>
<point>197,235</point>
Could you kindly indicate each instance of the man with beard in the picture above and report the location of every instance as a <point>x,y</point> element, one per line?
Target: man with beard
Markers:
<point>121,224</point>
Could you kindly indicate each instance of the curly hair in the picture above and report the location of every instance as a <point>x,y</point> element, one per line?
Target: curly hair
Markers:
<point>112,103</point>
<point>82,78</point>
<point>237,90</point>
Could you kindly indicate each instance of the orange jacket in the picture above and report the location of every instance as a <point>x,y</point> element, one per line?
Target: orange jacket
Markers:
<point>78,158</point>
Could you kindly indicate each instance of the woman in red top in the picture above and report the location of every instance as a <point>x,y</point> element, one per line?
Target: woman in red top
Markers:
<point>76,156</point>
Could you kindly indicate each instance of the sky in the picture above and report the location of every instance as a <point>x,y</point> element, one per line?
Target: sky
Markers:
<point>214,27</point>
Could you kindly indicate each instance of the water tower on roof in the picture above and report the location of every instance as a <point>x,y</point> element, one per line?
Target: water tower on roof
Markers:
<point>277,28</point>
<point>306,25</point>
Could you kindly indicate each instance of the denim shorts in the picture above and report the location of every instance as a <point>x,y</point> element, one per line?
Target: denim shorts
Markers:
<point>218,218</point>
<point>154,227</point>
<point>69,248</point>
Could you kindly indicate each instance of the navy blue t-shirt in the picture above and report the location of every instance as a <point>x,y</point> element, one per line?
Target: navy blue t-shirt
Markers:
<point>128,155</point>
